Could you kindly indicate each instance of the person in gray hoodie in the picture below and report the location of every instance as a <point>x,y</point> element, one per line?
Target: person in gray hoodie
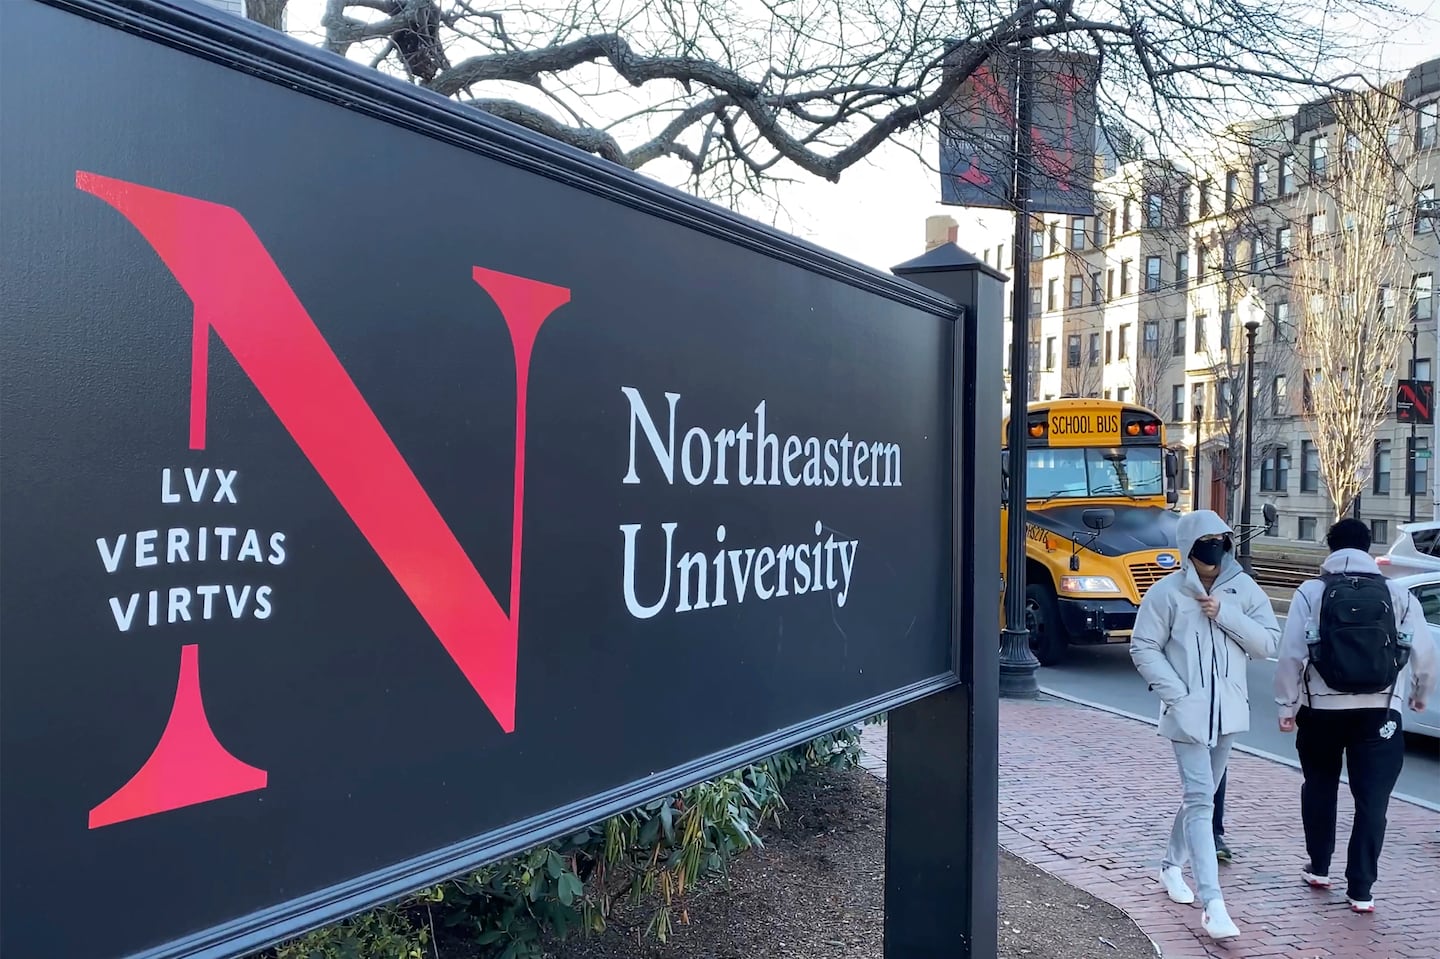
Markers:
<point>1365,730</point>
<point>1194,633</point>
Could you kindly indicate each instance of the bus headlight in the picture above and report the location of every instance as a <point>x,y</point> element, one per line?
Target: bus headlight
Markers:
<point>1088,584</point>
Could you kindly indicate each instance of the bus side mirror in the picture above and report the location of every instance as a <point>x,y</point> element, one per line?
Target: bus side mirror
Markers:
<point>1172,470</point>
<point>1272,516</point>
<point>1098,519</point>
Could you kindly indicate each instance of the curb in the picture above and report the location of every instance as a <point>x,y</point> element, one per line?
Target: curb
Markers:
<point>1238,747</point>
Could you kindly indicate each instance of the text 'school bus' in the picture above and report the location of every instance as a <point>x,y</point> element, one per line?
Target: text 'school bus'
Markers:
<point>1099,520</point>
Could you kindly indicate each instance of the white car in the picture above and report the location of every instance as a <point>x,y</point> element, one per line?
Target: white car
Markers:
<point>1426,588</point>
<point>1415,550</point>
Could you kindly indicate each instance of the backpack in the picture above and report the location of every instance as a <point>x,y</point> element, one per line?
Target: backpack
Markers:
<point>1358,649</point>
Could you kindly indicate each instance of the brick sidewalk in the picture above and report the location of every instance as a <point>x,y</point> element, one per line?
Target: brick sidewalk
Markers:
<point>1089,797</point>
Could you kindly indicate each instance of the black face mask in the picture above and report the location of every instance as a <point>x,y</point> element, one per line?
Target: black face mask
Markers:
<point>1208,551</point>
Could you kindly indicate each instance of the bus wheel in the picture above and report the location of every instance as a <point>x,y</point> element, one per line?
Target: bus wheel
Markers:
<point>1042,619</point>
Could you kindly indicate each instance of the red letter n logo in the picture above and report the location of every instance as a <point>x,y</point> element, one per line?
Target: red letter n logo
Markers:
<point>241,295</point>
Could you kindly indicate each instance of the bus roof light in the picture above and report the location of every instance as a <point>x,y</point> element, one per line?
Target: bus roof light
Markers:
<point>1133,429</point>
<point>1037,430</point>
<point>1151,428</point>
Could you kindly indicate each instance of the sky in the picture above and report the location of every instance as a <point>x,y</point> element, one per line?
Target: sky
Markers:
<point>876,212</point>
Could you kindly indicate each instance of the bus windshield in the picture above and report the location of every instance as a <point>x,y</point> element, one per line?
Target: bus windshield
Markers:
<point>1083,472</point>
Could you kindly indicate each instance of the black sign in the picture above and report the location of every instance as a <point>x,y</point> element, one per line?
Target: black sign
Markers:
<point>977,130</point>
<point>1415,401</point>
<point>385,490</point>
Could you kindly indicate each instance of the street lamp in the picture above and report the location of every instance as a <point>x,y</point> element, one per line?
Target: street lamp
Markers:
<point>1017,661</point>
<point>1252,326</point>
<point>1414,335</point>
<point>1195,466</point>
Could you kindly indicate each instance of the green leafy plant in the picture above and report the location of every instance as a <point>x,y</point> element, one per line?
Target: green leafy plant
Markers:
<point>651,857</point>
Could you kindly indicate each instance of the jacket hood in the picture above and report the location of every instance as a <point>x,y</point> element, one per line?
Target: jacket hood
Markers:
<point>1350,561</point>
<point>1195,524</point>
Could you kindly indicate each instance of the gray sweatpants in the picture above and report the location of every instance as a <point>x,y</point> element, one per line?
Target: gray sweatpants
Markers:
<point>1192,837</point>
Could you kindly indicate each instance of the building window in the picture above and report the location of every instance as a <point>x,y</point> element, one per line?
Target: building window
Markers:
<point>1287,175</point>
<point>1426,210</point>
<point>1124,340</point>
<point>1054,236</point>
<point>1281,314</point>
<point>1052,294</point>
<point>1204,199</point>
<point>1232,189</point>
<point>1307,390</point>
<point>1000,257</point>
<point>1228,253</point>
<point>1420,368</point>
<point>1197,401</point>
<point>1199,262</point>
<point>1279,399</point>
<point>1387,304</point>
<point>1226,325</point>
<point>1184,211</point>
<point>1392,220</point>
<point>1319,224</point>
<point>1079,230</point>
<point>1109,346</point>
<point>1309,467</point>
<point>1151,343</point>
<point>1422,299</point>
<point>1177,345</point>
<point>1275,471</point>
<point>1152,273</point>
<point>1257,254</point>
<point>1319,156</point>
<point>1259,180</point>
<point>1182,269</point>
<point>1154,211</point>
<point>1182,456</point>
<point>1418,480</point>
<point>1077,291</point>
<point>1127,220</point>
<point>1224,398</point>
<point>1110,219</point>
<point>1305,529</point>
<point>1177,403</point>
<point>1380,482</point>
<point>1097,292</point>
<point>1049,352</point>
<point>1284,238</point>
<point>1035,301</point>
<point>1427,128</point>
<point>1037,244</point>
<point>1199,332</point>
<point>1125,276</point>
<point>1072,350</point>
<point>1094,349</point>
<point>1123,394</point>
<point>1380,531</point>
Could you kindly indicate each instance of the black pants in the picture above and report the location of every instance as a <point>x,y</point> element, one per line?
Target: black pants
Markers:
<point>1218,822</point>
<point>1372,745</point>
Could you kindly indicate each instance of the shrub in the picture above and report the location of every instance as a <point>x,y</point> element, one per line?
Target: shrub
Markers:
<point>651,855</point>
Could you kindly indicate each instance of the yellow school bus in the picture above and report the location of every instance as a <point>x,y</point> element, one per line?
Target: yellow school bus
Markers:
<point>1099,520</point>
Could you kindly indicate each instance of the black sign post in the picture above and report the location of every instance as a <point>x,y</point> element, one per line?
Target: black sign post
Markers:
<point>353,536</point>
<point>941,872</point>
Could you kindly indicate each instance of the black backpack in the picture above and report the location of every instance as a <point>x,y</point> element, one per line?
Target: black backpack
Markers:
<point>1358,649</point>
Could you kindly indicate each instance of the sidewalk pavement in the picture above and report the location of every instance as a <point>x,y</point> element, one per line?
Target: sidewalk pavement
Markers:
<point>1089,797</point>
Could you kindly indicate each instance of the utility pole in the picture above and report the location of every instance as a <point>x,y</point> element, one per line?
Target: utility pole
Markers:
<point>1195,467</point>
<point>1017,661</point>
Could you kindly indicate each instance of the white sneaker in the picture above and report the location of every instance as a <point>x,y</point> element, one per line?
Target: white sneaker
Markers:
<point>1361,905</point>
<point>1175,886</point>
<point>1315,880</point>
<point>1217,922</point>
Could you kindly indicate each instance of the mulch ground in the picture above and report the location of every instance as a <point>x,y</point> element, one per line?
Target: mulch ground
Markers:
<point>816,891</point>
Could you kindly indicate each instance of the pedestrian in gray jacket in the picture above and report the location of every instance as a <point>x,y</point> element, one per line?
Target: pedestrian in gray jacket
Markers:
<point>1194,633</point>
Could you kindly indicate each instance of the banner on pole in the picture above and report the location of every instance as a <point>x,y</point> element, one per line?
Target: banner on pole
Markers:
<point>977,129</point>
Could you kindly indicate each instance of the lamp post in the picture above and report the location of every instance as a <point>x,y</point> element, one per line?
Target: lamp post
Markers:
<point>1195,466</point>
<point>1252,326</point>
<point>1414,335</point>
<point>1017,661</point>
